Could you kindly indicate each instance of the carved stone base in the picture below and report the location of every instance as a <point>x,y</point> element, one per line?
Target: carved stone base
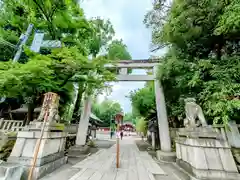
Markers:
<point>50,156</point>
<point>205,154</point>
<point>50,126</point>
<point>207,174</point>
<point>10,171</point>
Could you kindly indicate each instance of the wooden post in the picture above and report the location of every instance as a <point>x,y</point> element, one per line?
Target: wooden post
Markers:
<point>118,148</point>
<point>48,99</point>
<point>118,118</point>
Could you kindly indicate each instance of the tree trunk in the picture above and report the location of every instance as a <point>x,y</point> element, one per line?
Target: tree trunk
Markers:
<point>29,114</point>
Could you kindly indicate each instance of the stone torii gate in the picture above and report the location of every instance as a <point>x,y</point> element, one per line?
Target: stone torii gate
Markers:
<point>122,67</point>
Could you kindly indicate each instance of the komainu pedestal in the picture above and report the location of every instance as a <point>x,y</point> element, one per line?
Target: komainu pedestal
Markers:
<point>205,154</point>
<point>51,151</point>
<point>50,156</point>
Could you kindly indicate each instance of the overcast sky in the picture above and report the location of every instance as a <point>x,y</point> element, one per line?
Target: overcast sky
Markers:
<point>127,18</point>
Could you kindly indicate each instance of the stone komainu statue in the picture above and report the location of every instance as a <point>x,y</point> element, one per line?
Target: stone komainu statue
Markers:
<point>50,104</point>
<point>194,114</point>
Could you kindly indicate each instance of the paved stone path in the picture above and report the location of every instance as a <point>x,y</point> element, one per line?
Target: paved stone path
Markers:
<point>134,165</point>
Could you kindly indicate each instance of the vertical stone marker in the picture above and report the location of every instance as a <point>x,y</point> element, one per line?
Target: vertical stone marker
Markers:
<point>51,151</point>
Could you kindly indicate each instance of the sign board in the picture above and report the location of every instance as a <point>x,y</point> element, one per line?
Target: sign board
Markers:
<point>51,44</point>
<point>37,42</point>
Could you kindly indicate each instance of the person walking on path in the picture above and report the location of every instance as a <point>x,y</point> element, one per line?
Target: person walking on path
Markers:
<point>121,134</point>
<point>111,134</point>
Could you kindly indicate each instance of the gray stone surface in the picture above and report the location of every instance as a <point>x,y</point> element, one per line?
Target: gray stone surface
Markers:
<point>162,115</point>
<point>84,121</point>
<point>77,151</point>
<point>134,165</point>
<point>104,143</point>
<point>63,173</point>
<point>193,112</point>
<point>205,155</point>
<point>200,132</point>
<point>10,171</point>
<point>133,77</point>
<point>173,172</point>
<point>50,156</point>
<point>41,171</point>
<point>208,175</point>
<point>233,134</point>
<point>166,156</point>
<point>153,140</point>
<point>27,161</point>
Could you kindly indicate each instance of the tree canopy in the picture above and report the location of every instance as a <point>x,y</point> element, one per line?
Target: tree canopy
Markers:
<point>117,50</point>
<point>56,69</point>
<point>106,110</point>
<point>143,101</point>
<point>203,56</point>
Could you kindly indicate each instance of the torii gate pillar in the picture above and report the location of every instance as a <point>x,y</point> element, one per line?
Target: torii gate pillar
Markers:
<point>84,121</point>
<point>163,126</point>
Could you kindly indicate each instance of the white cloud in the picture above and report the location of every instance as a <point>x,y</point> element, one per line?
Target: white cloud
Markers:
<point>127,19</point>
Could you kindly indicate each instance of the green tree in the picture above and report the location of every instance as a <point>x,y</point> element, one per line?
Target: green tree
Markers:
<point>128,117</point>
<point>62,20</point>
<point>141,126</point>
<point>203,54</point>
<point>106,110</point>
<point>53,72</point>
<point>143,101</point>
<point>118,51</point>
<point>14,21</point>
<point>103,33</point>
<point>29,81</point>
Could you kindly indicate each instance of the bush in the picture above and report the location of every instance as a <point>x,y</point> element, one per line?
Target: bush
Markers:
<point>91,143</point>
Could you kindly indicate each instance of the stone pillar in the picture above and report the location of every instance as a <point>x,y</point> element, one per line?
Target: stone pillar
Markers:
<point>123,71</point>
<point>163,126</point>
<point>84,121</point>
<point>93,133</point>
<point>153,140</point>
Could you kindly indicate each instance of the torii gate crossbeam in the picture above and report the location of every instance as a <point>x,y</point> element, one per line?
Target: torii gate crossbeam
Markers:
<point>123,75</point>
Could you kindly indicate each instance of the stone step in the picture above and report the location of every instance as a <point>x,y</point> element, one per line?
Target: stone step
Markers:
<point>10,171</point>
<point>173,172</point>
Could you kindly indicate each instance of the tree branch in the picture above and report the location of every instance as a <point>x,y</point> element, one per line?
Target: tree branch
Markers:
<point>67,79</point>
<point>47,18</point>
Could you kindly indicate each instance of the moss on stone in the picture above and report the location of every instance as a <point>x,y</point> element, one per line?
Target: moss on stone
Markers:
<point>12,134</point>
<point>59,126</point>
<point>6,149</point>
